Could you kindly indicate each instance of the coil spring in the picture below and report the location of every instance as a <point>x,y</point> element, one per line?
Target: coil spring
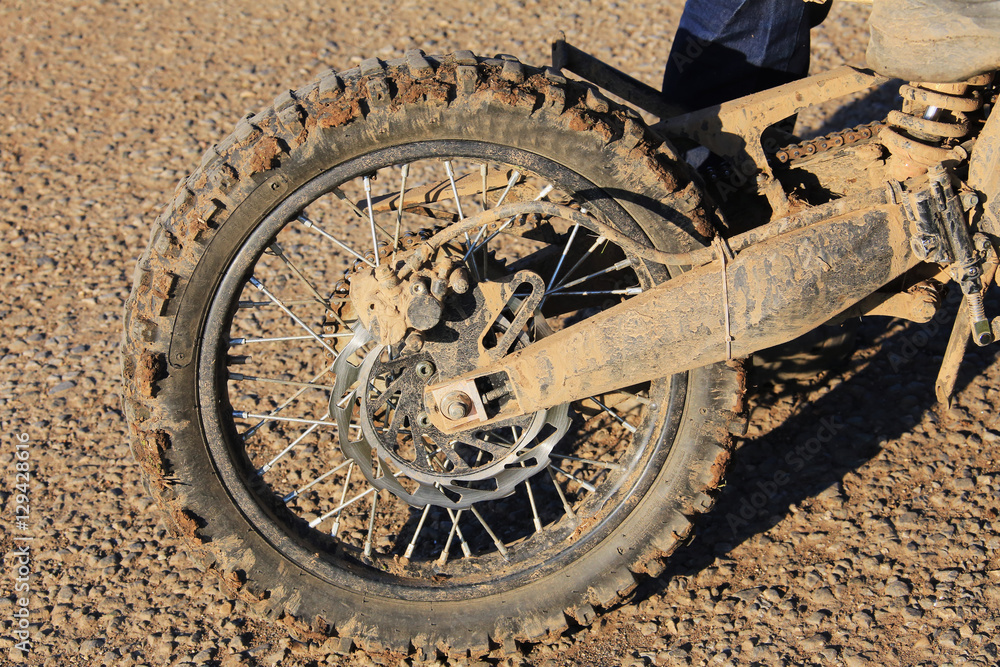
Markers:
<point>934,116</point>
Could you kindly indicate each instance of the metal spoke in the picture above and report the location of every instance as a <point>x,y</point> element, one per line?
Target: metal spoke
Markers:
<point>416,533</point>
<point>454,190</point>
<point>280,253</point>
<point>562,257</point>
<point>293,420</point>
<point>475,242</point>
<point>461,216</point>
<point>613,414</point>
<point>466,551</point>
<point>343,197</point>
<point>510,183</point>
<point>253,429</point>
<point>597,242</point>
<point>270,464</point>
<point>290,383</point>
<point>541,195</point>
<point>630,291</point>
<point>371,527</point>
<point>404,172</point>
<point>371,216</point>
<point>587,485</point>
<point>489,238</point>
<point>246,341</point>
<point>298,492</point>
<point>544,192</point>
<point>496,540</point>
<point>351,205</point>
<point>322,232</point>
<point>617,266</point>
<point>594,462</point>
<point>476,245</point>
<point>443,558</point>
<point>562,496</point>
<point>263,304</point>
<point>645,400</point>
<point>341,507</point>
<point>483,170</point>
<point>259,285</point>
<point>531,501</point>
<point>343,495</point>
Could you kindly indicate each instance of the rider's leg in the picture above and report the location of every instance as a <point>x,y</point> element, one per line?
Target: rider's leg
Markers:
<point>729,48</point>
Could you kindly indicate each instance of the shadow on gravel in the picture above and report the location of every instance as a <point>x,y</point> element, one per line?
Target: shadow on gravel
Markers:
<point>837,427</point>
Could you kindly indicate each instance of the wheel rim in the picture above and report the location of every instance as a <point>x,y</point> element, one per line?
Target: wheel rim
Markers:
<point>279,456</point>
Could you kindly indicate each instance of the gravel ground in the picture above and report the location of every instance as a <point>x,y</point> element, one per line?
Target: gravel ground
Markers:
<point>860,523</point>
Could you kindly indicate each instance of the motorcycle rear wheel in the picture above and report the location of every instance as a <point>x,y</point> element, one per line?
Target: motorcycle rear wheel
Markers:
<point>240,449</point>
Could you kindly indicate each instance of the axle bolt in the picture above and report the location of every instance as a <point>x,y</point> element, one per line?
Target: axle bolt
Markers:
<point>456,405</point>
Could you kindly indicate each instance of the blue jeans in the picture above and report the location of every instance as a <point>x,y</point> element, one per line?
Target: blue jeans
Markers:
<point>726,49</point>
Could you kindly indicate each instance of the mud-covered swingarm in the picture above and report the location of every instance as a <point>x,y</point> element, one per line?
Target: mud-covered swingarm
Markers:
<point>749,296</point>
<point>778,281</point>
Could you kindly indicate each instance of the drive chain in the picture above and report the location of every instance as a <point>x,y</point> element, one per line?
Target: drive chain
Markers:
<point>828,142</point>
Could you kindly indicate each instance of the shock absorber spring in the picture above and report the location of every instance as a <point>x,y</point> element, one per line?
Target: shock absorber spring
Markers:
<point>934,118</point>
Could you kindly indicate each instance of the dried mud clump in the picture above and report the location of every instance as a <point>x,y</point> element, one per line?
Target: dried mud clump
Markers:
<point>265,155</point>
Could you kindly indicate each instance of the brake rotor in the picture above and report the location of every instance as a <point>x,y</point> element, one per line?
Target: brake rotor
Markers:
<point>379,407</point>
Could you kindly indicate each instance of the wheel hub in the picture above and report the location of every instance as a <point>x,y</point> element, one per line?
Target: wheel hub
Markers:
<point>400,449</point>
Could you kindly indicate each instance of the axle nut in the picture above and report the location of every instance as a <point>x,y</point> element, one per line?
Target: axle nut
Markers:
<point>456,405</point>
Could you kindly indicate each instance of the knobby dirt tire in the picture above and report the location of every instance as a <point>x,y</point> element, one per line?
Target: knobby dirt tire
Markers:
<point>543,122</point>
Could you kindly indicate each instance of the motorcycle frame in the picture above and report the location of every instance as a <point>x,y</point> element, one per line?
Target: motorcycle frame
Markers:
<point>766,286</point>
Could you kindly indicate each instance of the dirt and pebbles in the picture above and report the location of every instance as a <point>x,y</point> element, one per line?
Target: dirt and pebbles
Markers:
<point>860,523</point>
